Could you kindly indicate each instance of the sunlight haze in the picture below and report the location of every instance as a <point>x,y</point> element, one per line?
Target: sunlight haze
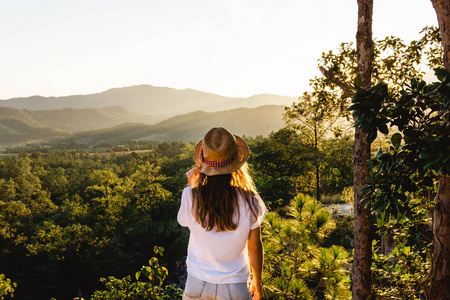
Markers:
<point>229,47</point>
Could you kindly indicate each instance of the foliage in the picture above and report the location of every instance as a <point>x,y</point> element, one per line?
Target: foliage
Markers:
<point>404,272</point>
<point>395,63</point>
<point>6,287</point>
<point>394,183</point>
<point>402,182</point>
<point>283,165</point>
<point>313,117</point>
<point>422,104</point>
<point>402,178</point>
<point>125,289</point>
<point>422,116</point>
<point>336,172</point>
<point>348,195</point>
<point>296,264</point>
<point>344,232</point>
<point>280,166</point>
<point>324,110</point>
<point>366,108</point>
<point>69,218</point>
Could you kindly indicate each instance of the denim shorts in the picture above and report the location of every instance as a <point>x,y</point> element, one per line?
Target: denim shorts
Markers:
<point>202,290</point>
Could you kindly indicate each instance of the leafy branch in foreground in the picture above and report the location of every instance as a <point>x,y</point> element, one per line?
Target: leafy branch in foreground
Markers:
<point>366,107</point>
<point>6,287</point>
<point>148,284</point>
<point>402,185</point>
<point>297,265</point>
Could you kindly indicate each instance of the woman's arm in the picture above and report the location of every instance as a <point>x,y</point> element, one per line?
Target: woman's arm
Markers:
<point>255,251</point>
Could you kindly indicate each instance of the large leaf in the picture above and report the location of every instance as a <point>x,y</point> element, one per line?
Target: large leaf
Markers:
<point>396,140</point>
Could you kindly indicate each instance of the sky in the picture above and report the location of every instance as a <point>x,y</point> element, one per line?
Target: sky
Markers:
<point>236,48</point>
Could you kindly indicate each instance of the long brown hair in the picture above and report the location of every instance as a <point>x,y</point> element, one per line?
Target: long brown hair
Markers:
<point>215,198</point>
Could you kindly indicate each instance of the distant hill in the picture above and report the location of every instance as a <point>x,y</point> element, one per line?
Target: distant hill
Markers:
<point>70,119</point>
<point>17,131</point>
<point>150,100</point>
<point>191,127</point>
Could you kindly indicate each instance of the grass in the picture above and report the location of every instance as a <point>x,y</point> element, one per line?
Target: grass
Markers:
<point>331,199</point>
<point>345,197</point>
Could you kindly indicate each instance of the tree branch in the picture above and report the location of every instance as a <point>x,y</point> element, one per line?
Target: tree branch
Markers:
<point>304,123</point>
<point>328,128</point>
<point>334,80</point>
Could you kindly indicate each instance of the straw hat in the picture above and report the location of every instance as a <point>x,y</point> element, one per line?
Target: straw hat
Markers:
<point>220,152</point>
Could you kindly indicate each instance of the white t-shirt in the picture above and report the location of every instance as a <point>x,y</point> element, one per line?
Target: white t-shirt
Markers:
<point>219,257</point>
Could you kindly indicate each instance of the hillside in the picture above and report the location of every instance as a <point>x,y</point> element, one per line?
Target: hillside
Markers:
<point>70,119</point>
<point>146,99</point>
<point>17,131</point>
<point>191,127</point>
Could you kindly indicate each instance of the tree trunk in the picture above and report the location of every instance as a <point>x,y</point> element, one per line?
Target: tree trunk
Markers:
<point>316,158</point>
<point>440,268</point>
<point>361,273</point>
<point>442,8</point>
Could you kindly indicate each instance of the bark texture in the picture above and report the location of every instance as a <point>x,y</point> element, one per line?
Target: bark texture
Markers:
<point>364,42</point>
<point>442,8</point>
<point>440,271</point>
<point>440,268</point>
<point>361,273</point>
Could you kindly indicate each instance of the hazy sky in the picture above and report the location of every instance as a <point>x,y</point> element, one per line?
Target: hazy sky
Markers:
<point>227,47</point>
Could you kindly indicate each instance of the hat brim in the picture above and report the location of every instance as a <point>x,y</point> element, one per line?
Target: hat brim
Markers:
<point>243,154</point>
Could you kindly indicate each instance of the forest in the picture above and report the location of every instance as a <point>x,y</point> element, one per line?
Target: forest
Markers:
<point>75,223</point>
<point>69,218</point>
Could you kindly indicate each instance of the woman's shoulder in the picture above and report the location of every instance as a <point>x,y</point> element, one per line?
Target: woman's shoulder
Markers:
<point>255,198</point>
<point>187,193</point>
<point>259,201</point>
<point>187,189</point>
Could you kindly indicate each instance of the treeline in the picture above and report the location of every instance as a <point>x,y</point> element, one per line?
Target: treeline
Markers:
<point>69,218</point>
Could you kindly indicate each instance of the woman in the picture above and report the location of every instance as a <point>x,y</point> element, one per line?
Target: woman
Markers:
<point>223,212</point>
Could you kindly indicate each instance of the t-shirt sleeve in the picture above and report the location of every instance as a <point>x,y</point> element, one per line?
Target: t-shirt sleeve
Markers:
<point>185,208</point>
<point>262,211</point>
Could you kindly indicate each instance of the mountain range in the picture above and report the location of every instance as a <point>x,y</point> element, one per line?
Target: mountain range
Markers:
<point>150,100</point>
<point>190,127</point>
<point>136,113</point>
